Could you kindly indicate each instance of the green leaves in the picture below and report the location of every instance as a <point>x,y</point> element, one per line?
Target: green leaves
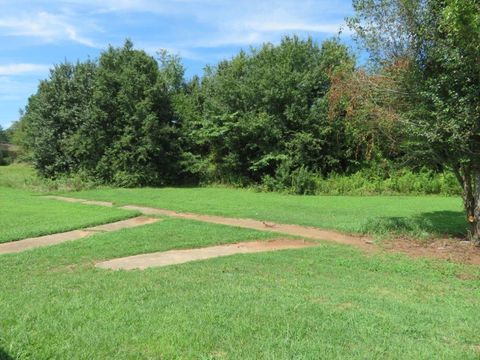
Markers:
<point>440,41</point>
<point>267,107</point>
<point>110,119</point>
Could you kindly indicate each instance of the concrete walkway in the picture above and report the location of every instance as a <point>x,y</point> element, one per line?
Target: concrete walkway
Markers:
<point>441,248</point>
<point>173,257</point>
<point>30,243</point>
<point>310,232</point>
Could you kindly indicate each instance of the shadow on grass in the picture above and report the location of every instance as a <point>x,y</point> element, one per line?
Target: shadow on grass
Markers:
<point>438,223</point>
<point>4,355</point>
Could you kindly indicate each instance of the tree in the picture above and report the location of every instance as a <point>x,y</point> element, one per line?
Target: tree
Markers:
<point>130,138</point>
<point>268,109</point>
<point>438,40</point>
<point>3,135</point>
<point>3,139</point>
<point>369,103</point>
<point>54,114</point>
<point>110,120</point>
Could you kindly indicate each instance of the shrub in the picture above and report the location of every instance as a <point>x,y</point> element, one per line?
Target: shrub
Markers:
<point>364,182</point>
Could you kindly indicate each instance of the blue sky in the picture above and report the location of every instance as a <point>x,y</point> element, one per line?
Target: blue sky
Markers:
<point>34,35</point>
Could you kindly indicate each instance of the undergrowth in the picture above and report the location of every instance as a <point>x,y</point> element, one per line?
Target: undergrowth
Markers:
<point>300,182</point>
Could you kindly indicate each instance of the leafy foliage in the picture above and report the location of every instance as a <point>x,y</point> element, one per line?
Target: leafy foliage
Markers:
<point>3,135</point>
<point>6,156</point>
<point>439,43</point>
<point>109,120</point>
<point>268,109</point>
<point>296,117</point>
<point>130,120</point>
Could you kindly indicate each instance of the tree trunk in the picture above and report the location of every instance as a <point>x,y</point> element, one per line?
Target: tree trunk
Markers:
<point>470,180</point>
<point>475,223</point>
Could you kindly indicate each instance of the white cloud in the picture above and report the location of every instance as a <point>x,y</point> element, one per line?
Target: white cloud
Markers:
<point>251,22</point>
<point>232,23</point>
<point>20,69</point>
<point>44,25</point>
<point>281,26</point>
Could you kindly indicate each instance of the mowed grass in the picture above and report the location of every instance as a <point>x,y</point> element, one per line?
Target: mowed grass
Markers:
<point>24,214</point>
<point>328,302</point>
<point>417,216</point>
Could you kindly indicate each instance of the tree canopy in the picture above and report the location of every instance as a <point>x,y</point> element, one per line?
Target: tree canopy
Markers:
<point>268,109</point>
<point>129,119</point>
<point>3,135</point>
<point>110,120</point>
<point>437,44</point>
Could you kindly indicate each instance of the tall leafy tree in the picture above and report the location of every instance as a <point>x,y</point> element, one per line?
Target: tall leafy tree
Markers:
<point>54,114</point>
<point>111,120</point>
<point>267,109</point>
<point>438,43</point>
<point>130,136</point>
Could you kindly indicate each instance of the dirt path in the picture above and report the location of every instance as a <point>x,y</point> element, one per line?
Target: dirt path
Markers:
<point>289,229</point>
<point>445,249</point>
<point>173,257</point>
<point>30,243</point>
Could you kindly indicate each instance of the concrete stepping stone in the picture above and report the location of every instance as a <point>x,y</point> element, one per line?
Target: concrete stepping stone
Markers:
<point>173,257</point>
<point>53,239</point>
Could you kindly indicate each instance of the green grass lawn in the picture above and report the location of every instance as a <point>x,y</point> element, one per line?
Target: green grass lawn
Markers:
<point>24,214</point>
<point>328,302</point>
<point>418,216</point>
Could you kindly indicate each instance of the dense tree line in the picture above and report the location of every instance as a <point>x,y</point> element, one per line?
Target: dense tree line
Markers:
<point>129,119</point>
<point>279,115</point>
<point>267,111</point>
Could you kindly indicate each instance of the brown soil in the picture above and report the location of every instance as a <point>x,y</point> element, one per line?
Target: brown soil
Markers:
<point>446,249</point>
<point>99,203</point>
<point>453,250</point>
<point>30,243</point>
<point>182,256</point>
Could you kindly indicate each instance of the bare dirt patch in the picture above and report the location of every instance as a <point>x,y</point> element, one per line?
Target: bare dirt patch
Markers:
<point>99,203</point>
<point>453,250</point>
<point>446,249</point>
<point>173,257</point>
<point>30,243</point>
